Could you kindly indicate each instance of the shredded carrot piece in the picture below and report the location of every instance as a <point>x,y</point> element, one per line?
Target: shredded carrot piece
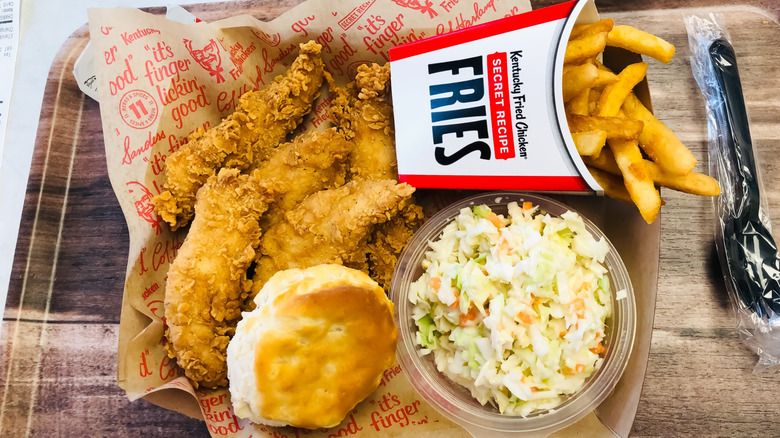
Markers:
<point>533,389</point>
<point>579,307</point>
<point>465,318</point>
<point>580,368</point>
<point>526,316</point>
<point>503,246</point>
<point>562,333</point>
<point>598,349</point>
<point>456,303</point>
<point>435,283</point>
<point>527,205</point>
<point>495,220</point>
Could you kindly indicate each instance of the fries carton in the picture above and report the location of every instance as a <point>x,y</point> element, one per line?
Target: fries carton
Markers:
<point>494,117</point>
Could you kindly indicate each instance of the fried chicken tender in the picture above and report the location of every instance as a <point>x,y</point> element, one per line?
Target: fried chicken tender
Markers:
<point>330,226</point>
<point>311,162</point>
<point>262,120</point>
<point>363,112</point>
<point>207,280</point>
<point>388,240</point>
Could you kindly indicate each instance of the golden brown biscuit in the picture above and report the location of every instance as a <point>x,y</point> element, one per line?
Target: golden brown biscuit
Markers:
<point>315,346</point>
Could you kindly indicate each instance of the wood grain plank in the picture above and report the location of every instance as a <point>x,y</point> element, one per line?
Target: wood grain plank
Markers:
<point>73,392</point>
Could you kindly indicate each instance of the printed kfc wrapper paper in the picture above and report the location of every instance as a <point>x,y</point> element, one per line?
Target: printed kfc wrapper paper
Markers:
<point>159,80</point>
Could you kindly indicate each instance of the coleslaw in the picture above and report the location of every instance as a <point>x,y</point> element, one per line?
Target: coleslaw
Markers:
<point>514,308</point>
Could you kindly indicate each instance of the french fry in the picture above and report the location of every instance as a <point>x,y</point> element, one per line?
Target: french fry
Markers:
<point>636,178</point>
<point>582,49</point>
<point>613,185</point>
<point>589,142</point>
<point>605,77</point>
<point>604,161</point>
<point>577,79</point>
<point>593,100</point>
<point>581,30</point>
<point>616,127</point>
<point>601,66</point>
<point>580,104</point>
<point>658,141</point>
<point>614,94</point>
<point>693,183</point>
<point>641,42</point>
<point>602,108</point>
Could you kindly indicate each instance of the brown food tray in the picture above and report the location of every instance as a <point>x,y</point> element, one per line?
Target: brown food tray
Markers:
<point>59,334</point>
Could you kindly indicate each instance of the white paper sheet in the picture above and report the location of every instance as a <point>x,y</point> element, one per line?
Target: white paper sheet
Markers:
<point>9,42</point>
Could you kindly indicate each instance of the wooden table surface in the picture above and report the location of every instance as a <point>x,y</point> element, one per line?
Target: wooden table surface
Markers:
<point>59,333</point>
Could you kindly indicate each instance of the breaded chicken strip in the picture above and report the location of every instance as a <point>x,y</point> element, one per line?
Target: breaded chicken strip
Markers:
<point>207,280</point>
<point>311,162</point>
<point>329,226</point>
<point>363,112</point>
<point>262,120</point>
<point>388,240</point>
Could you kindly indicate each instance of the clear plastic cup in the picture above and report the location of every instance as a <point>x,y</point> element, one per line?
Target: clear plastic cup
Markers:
<point>455,401</point>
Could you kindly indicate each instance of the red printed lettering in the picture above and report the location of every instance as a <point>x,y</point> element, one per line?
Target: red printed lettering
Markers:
<point>126,78</point>
<point>354,15</point>
<point>401,417</point>
<point>340,59</point>
<point>110,55</point>
<point>270,63</point>
<point>143,367</point>
<point>157,74</point>
<point>206,403</point>
<point>300,25</point>
<point>499,104</point>
<point>350,428</point>
<point>325,39</point>
<point>132,154</point>
<point>389,374</point>
<point>168,368</point>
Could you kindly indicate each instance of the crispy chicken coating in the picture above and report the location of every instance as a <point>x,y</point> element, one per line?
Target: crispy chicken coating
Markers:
<point>388,240</point>
<point>207,280</point>
<point>330,226</point>
<point>363,112</point>
<point>262,120</point>
<point>311,162</point>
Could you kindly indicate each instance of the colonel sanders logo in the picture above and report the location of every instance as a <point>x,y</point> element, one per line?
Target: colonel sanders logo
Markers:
<point>143,204</point>
<point>208,58</point>
<point>271,40</point>
<point>426,6</point>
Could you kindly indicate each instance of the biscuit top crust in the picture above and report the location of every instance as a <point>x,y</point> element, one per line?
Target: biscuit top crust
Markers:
<point>332,338</point>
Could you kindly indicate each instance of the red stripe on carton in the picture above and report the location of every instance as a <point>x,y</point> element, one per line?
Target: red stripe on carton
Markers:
<point>531,183</point>
<point>498,87</point>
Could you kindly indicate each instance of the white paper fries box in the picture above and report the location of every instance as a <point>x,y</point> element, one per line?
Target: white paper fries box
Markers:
<point>482,107</point>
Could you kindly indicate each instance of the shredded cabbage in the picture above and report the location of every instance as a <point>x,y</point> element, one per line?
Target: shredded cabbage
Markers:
<point>514,308</point>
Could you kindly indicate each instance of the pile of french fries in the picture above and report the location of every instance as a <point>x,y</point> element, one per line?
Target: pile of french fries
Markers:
<point>626,148</point>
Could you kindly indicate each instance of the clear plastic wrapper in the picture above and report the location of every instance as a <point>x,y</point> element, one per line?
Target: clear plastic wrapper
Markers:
<point>746,248</point>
